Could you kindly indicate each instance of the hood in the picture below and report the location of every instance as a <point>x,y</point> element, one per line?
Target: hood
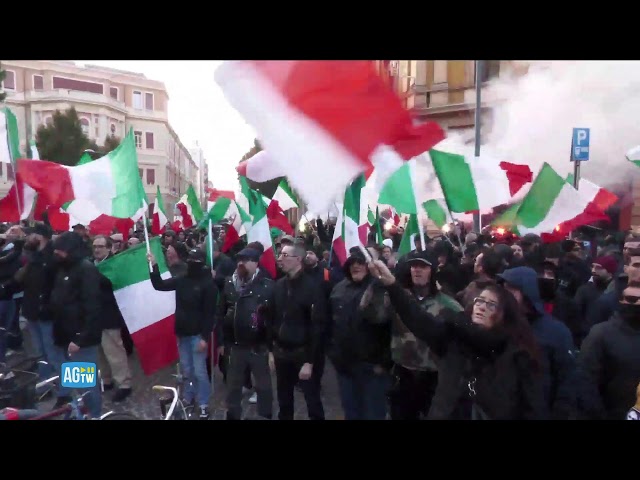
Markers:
<point>357,256</point>
<point>526,280</point>
<point>73,244</point>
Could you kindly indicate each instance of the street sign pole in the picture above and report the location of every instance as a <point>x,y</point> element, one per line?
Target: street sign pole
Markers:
<point>579,152</point>
<point>479,65</point>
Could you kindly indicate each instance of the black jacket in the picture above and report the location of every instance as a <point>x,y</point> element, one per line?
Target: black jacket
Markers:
<point>243,316</point>
<point>360,326</point>
<point>299,317</point>
<point>610,369</point>
<point>37,282</point>
<point>196,298</point>
<point>473,359</point>
<point>110,314</point>
<point>76,313</point>
<point>224,268</point>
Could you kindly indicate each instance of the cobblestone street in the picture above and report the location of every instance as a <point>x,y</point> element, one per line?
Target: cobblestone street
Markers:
<point>144,403</point>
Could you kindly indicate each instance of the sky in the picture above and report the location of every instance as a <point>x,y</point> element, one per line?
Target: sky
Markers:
<point>198,112</point>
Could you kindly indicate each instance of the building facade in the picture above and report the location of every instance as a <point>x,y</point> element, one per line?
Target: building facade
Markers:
<point>108,102</point>
<point>203,173</point>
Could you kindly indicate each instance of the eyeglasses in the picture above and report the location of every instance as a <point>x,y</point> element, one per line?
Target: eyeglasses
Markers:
<point>491,306</point>
<point>287,255</point>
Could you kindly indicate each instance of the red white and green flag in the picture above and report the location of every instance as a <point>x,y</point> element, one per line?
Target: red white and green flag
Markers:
<point>337,115</point>
<point>189,207</point>
<point>408,244</point>
<point>553,204</point>
<point>226,209</point>
<point>148,313</point>
<point>9,137</point>
<point>110,185</point>
<point>260,232</point>
<point>352,227</point>
<point>285,197</point>
<point>159,224</point>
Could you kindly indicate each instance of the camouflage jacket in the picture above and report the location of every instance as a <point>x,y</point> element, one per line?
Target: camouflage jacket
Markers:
<point>406,349</point>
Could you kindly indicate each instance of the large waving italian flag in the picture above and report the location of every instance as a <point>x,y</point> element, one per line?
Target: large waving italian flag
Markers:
<point>340,115</point>
<point>149,314</point>
<point>552,203</point>
<point>110,185</point>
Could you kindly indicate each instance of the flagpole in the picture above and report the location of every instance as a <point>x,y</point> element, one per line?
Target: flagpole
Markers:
<point>146,232</point>
<point>418,208</point>
<point>477,121</point>
<point>210,240</point>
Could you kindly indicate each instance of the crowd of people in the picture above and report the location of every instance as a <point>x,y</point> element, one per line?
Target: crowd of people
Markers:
<point>480,327</point>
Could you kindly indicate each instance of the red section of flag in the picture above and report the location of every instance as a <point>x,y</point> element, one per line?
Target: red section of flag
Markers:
<point>230,239</point>
<point>604,199</point>
<point>48,179</point>
<point>215,194</point>
<point>176,226</point>
<point>58,219</point>
<point>9,211</point>
<point>339,250</point>
<point>591,214</point>
<point>351,102</point>
<point>278,219</point>
<point>268,262</point>
<point>517,175</point>
<point>187,221</point>
<point>105,225</point>
<point>156,345</point>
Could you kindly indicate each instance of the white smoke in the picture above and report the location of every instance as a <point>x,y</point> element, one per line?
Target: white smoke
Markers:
<point>536,113</point>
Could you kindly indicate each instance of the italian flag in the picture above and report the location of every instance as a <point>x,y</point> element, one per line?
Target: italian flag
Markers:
<point>149,314</point>
<point>633,155</point>
<point>18,202</point>
<point>277,218</point>
<point>261,168</point>
<point>159,223</point>
<point>438,212</point>
<point>352,226</point>
<point>189,208</point>
<point>260,232</point>
<point>476,183</point>
<point>600,197</point>
<point>408,244</point>
<point>332,118</point>
<point>214,194</point>
<point>285,196</point>
<point>225,208</point>
<point>9,137</point>
<point>110,185</point>
<point>552,204</point>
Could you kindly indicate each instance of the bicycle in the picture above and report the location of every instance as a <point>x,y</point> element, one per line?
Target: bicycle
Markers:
<point>76,409</point>
<point>177,410</point>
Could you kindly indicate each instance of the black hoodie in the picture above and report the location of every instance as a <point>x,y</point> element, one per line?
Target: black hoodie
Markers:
<point>76,289</point>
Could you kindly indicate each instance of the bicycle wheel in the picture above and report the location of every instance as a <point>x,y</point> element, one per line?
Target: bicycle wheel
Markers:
<point>120,416</point>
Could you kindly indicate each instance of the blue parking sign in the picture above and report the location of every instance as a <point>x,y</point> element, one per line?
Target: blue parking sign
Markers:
<point>580,145</point>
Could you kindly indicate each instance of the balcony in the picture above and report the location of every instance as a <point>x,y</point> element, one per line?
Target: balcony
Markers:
<point>74,96</point>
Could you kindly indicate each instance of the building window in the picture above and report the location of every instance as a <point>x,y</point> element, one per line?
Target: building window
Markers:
<point>10,175</point>
<point>137,100</point>
<point>0,169</point>
<point>148,101</point>
<point>149,140</point>
<point>112,129</point>
<point>96,126</point>
<point>141,172</point>
<point>151,176</point>
<point>85,125</point>
<point>138,138</point>
<point>38,82</point>
<point>79,85</point>
<point>113,92</point>
<point>440,71</point>
<point>9,82</point>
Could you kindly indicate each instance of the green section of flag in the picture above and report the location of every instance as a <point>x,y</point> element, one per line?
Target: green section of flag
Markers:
<point>456,181</point>
<point>131,266</point>
<point>407,244</point>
